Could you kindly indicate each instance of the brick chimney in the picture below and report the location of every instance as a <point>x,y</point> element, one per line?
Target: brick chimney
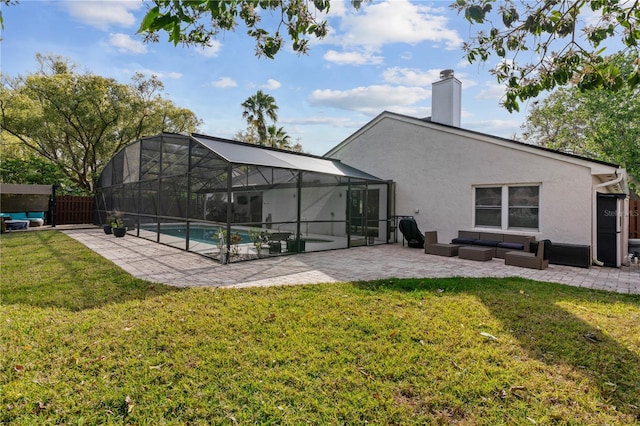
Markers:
<point>446,95</point>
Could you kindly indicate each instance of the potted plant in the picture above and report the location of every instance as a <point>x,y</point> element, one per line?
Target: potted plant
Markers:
<point>117,225</point>
<point>259,237</point>
<point>107,226</point>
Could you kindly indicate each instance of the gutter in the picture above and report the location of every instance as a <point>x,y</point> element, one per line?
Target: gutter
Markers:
<point>594,220</point>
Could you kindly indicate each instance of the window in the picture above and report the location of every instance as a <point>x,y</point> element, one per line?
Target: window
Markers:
<point>507,207</point>
<point>489,206</point>
<point>523,207</point>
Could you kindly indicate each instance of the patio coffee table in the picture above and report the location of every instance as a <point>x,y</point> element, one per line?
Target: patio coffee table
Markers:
<point>17,224</point>
<point>476,253</point>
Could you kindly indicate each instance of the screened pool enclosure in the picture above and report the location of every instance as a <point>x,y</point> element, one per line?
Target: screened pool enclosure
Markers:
<point>234,201</point>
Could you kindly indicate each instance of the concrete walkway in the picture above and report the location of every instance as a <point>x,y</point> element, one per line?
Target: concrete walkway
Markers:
<point>164,264</point>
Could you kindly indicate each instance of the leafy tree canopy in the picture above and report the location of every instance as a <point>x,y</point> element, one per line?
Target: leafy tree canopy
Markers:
<point>79,121</point>
<point>256,110</point>
<point>278,138</point>
<point>199,21</point>
<point>600,124</point>
<point>544,44</point>
<point>35,170</point>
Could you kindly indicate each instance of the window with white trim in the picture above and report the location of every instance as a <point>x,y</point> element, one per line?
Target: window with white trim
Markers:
<point>507,207</point>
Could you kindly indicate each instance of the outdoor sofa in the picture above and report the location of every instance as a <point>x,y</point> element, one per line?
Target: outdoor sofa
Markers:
<point>22,220</point>
<point>432,246</point>
<point>501,243</point>
<point>537,260</point>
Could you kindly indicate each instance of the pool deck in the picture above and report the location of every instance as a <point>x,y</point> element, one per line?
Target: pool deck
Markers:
<point>163,264</point>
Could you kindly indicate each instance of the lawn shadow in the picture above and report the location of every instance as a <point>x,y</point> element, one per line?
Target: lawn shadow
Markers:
<point>48,269</point>
<point>531,311</point>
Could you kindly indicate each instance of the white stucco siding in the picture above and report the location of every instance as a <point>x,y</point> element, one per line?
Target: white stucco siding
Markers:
<point>436,171</point>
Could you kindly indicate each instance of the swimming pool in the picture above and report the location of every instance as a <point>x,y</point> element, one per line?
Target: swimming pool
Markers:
<point>209,234</point>
<point>199,233</point>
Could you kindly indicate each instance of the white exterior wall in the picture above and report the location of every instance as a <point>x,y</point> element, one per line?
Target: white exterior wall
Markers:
<point>435,169</point>
<point>324,204</point>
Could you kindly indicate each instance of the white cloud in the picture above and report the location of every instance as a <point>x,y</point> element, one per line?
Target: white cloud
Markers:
<point>272,84</point>
<point>463,64</point>
<point>210,51</point>
<point>338,8</point>
<point>411,76</point>
<point>490,91</point>
<point>412,111</point>
<point>124,43</point>
<point>104,14</point>
<point>591,17</point>
<point>418,77</point>
<point>224,82</point>
<point>375,98</point>
<point>407,56</point>
<point>160,74</point>
<point>353,58</point>
<point>322,120</point>
<point>394,21</point>
<point>502,128</point>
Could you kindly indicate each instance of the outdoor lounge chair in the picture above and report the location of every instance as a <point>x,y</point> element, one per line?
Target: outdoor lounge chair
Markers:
<point>411,233</point>
<point>431,245</point>
<point>537,260</point>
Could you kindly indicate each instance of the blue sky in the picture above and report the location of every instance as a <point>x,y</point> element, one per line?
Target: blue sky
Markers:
<point>383,57</point>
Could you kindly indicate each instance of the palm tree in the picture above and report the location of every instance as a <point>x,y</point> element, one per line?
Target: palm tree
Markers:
<point>277,137</point>
<point>257,109</point>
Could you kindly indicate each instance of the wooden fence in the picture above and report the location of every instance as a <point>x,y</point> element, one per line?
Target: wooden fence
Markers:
<point>634,219</point>
<point>71,209</point>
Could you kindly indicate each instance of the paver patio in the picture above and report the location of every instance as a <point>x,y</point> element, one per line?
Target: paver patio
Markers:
<point>159,263</point>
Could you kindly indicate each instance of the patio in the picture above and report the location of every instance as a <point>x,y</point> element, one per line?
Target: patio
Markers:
<point>160,263</point>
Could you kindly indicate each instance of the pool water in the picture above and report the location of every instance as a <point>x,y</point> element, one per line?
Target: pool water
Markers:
<point>202,234</point>
<point>208,234</point>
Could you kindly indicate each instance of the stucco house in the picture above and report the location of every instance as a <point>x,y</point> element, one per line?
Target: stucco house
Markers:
<point>450,178</point>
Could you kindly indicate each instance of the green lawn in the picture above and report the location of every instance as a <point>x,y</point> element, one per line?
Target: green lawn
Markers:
<point>84,343</point>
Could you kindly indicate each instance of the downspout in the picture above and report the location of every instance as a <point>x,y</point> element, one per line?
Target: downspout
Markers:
<point>594,220</point>
<point>625,231</point>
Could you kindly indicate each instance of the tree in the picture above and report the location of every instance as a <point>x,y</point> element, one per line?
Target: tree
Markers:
<point>277,137</point>
<point>599,124</point>
<point>199,21</point>
<point>80,121</point>
<point>282,140</point>
<point>33,170</point>
<point>542,45</point>
<point>257,109</point>
<point>249,136</point>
